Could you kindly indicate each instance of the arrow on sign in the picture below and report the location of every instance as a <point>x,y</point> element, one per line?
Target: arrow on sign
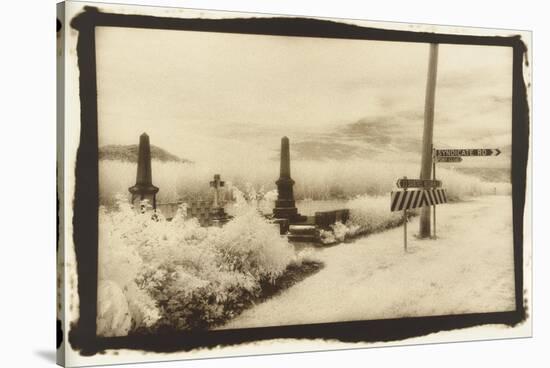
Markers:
<point>448,159</point>
<point>467,152</point>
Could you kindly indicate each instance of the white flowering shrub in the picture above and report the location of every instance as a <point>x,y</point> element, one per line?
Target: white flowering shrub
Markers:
<point>372,214</point>
<point>113,314</point>
<point>118,264</point>
<point>368,214</point>
<point>251,246</point>
<point>178,275</point>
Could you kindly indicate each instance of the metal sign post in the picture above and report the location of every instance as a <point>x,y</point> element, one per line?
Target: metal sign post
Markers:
<point>405,229</point>
<point>405,220</point>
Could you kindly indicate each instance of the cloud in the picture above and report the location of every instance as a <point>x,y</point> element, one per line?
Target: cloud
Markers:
<point>369,136</point>
<point>371,130</point>
<point>320,150</point>
<point>221,97</point>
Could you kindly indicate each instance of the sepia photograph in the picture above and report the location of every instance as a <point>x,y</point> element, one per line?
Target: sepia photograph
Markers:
<point>242,179</point>
<point>245,180</point>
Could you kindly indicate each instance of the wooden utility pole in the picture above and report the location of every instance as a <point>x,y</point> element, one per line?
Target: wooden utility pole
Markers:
<point>433,169</point>
<point>405,223</point>
<point>427,137</point>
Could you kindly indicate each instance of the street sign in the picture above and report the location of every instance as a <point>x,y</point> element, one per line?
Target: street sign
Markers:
<point>448,159</point>
<point>411,199</point>
<point>435,196</point>
<point>406,200</point>
<point>418,183</point>
<point>428,195</point>
<point>467,152</point>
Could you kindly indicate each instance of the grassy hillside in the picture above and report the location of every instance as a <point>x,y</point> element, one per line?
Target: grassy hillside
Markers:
<point>129,153</point>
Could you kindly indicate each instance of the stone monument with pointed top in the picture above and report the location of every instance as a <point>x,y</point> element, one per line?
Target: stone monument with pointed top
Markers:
<point>144,188</point>
<point>285,206</point>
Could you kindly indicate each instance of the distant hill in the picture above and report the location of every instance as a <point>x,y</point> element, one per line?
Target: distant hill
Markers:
<point>129,153</point>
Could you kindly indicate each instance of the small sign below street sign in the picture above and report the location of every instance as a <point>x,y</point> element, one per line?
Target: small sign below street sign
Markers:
<point>467,152</point>
<point>418,183</point>
<point>448,159</point>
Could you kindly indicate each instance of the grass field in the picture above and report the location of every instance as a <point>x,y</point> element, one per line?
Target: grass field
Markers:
<point>315,180</point>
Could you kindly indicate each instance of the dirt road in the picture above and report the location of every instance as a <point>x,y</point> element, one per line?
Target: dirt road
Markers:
<point>468,268</point>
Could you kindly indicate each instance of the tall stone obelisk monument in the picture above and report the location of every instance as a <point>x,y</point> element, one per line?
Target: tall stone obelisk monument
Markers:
<point>144,188</point>
<point>285,206</point>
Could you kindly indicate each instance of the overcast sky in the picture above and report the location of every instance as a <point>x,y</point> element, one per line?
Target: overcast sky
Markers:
<point>213,96</point>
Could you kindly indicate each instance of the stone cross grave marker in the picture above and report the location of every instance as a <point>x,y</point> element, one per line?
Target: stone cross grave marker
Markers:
<point>217,214</point>
<point>217,183</point>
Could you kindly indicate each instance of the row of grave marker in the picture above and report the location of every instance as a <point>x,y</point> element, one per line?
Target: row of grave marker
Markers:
<point>430,192</point>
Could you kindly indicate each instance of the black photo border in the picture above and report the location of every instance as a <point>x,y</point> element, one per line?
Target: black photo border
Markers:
<point>82,334</point>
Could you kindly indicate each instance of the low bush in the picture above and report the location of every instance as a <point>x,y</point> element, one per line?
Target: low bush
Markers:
<point>178,275</point>
<point>368,215</point>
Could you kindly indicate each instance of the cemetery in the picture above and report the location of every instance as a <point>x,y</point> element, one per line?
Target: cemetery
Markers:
<point>231,257</point>
<point>192,264</point>
<point>296,227</point>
